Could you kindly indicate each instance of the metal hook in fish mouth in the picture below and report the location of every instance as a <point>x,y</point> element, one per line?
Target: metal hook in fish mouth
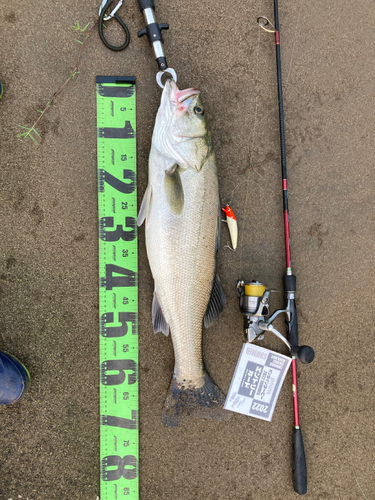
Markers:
<point>171,71</point>
<point>263,21</point>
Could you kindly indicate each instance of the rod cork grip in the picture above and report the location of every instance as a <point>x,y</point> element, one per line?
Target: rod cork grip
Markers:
<point>299,464</point>
<point>146,4</point>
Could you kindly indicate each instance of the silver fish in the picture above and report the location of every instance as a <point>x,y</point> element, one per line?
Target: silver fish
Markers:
<point>182,213</point>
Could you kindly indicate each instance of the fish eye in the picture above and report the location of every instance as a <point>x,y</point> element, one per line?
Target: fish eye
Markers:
<point>199,110</point>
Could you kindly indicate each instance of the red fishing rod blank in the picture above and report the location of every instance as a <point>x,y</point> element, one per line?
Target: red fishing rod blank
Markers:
<point>305,354</point>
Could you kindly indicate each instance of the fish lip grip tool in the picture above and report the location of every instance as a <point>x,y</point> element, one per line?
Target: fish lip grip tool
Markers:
<point>153,31</point>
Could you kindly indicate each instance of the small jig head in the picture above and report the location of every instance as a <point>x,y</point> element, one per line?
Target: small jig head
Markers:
<point>232,225</point>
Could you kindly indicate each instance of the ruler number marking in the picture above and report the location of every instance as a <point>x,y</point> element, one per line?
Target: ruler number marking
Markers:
<point>126,132</point>
<point>123,423</point>
<point>119,232</point>
<point>121,366</point>
<point>120,471</point>
<point>110,281</point>
<point>123,187</point>
<point>118,331</point>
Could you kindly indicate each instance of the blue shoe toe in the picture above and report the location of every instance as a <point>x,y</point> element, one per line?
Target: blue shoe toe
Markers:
<point>14,379</point>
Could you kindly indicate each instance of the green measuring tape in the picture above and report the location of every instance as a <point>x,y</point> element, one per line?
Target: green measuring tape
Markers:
<point>118,287</point>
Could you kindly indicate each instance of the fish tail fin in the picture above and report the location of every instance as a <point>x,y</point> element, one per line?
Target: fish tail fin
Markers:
<point>203,402</point>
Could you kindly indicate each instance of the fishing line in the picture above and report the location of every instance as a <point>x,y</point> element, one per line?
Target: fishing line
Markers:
<point>294,43</point>
<point>250,147</point>
<point>257,124</point>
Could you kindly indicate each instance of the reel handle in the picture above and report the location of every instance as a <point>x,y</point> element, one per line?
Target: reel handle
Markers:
<point>303,353</point>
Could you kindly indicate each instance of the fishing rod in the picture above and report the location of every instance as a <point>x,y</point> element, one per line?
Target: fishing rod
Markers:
<point>304,353</point>
<point>254,298</point>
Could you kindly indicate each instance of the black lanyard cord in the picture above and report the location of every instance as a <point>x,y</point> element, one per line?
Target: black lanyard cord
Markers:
<point>122,24</point>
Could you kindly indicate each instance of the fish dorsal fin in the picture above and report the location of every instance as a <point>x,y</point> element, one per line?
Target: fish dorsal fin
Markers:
<point>145,206</point>
<point>173,190</point>
<point>216,304</point>
<point>158,320</point>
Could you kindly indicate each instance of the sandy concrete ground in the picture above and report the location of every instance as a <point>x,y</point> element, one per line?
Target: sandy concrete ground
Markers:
<point>48,276</point>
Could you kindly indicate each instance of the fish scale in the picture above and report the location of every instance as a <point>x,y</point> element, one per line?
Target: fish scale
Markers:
<point>190,271</point>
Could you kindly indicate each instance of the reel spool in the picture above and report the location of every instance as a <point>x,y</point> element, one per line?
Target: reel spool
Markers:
<point>254,305</point>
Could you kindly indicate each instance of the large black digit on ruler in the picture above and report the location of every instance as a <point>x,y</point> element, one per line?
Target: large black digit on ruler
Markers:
<point>126,132</point>
<point>121,471</point>
<point>123,187</point>
<point>118,331</point>
<point>128,278</point>
<point>127,234</point>
<point>116,91</point>
<point>123,423</point>
<point>121,366</point>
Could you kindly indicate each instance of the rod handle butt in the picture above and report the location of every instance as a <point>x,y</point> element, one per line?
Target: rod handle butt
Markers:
<point>299,464</point>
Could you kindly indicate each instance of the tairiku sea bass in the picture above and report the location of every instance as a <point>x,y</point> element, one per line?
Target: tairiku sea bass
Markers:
<point>182,213</point>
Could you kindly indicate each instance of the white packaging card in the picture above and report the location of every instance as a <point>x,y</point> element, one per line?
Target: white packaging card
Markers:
<point>257,382</point>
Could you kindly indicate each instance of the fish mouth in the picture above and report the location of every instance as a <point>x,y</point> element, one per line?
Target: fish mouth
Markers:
<point>179,96</point>
<point>182,95</point>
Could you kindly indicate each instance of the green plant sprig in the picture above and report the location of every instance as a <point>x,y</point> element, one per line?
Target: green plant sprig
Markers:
<point>31,132</point>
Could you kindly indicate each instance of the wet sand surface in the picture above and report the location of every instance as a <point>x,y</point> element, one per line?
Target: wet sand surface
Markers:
<point>49,257</point>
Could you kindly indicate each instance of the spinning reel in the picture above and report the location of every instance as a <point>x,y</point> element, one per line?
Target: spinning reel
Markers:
<point>254,304</point>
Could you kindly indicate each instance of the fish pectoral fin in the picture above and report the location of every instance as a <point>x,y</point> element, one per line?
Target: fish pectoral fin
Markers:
<point>173,190</point>
<point>145,206</point>
<point>216,304</point>
<point>158,320</point>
